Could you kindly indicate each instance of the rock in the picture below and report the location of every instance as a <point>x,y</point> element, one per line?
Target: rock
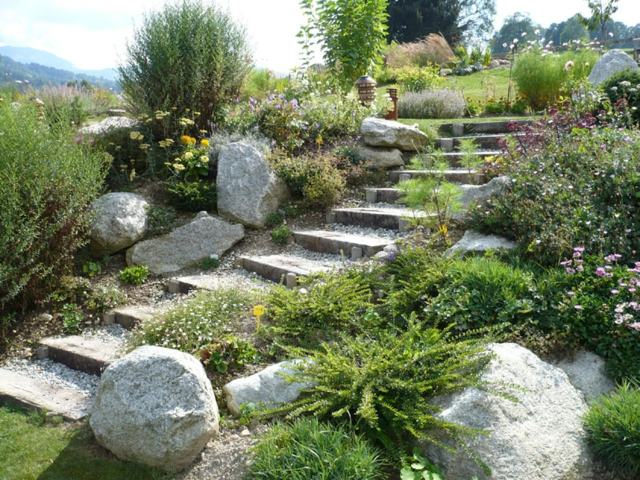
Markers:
<point>538,437</point>
<point>388,253</point>
<point>248,188</point>
<point>479,193</point>
<point>381,158</point>
<point>477,242</point>
<point>120,220</point>
<point>386,133</point>
<point>108,125</point>
<point>445,72</point>
<point>155,406</point>
<point>610,63</point>
<point>202,238</point>
<point>267,388</point>
<point>586,371</point>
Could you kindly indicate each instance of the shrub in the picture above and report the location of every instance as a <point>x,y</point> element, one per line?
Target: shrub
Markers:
<point>613,426</point>
<point>274,219</point>
<point>281,234</point>
<point>313,178</point>
<point>66,104</point>
<point>261,82</point>
<point>623,91</point>
<point>324,306</point>
<point>193,196</point>
<point>72,318</point>
<point>432,104</point>
<point>309,449</point>
<point>574,185</point>
<point>541,77</point>
<point>413,79</point>
<point>203,326</point>
<point>431,50</point>
<point>47,182</point>
<point>203,48</point>
<point>385,384</point>
<point>134,275</point>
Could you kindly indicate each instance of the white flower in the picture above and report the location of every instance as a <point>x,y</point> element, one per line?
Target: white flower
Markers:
<point>524,34</point>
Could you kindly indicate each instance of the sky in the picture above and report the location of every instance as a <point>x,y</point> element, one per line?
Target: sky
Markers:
<point>92,34</point>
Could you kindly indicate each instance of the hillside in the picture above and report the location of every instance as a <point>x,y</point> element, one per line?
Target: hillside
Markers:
<point>36,75</point>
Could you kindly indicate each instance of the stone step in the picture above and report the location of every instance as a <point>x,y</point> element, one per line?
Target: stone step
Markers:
<point>459,129</point>
<point>461,176</point>
<point>283,268</point>
<point>130,317</point>
<point>87,354</point>
<point>454,159</point>
<point>34,394</point>
<point>484,142</point>
<point>391,218</point>
<point>345,244</point>
<point>382,195</point>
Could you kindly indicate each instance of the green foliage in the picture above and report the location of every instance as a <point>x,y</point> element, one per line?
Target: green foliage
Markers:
<point>385,384</point>
<point>351,34</point>
<point>321,308</point>
<point>416,79</point>
<point>262,82</point>
<point>274,219</point>
<point>134,275</point>
<point>204,49</point>
<point>210,263</point>
<point>624,94</point>
<point>91,269</point>
<point>47,182</point>
<point>541,77</point>
<point>204,326</point>
<point>442,103</point>
<point>72,318</point>
<point>94,299</point>
<point>312,178</point>
<point>161,220</point>
<point>193,196</point>
<point>518,27</point>
<point>281,234</point>
<point>420,468</point>
<point>573,186</point>
<point>308,449</point>
<point>470,160</point>
<point>613,426</point>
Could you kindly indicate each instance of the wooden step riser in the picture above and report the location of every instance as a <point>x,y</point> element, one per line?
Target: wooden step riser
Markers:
<point>270,272</point>
<point>461,177</point>
<point>77,361</point>
<point>327,245</point>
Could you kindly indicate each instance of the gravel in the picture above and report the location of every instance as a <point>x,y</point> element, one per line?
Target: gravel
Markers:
<point>365,231</point>
<point>55,374</point>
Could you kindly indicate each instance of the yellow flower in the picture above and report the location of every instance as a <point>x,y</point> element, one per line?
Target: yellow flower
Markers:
<point>319,140</point>
<point>144,147</point>
<point>188,155</point>
<point>187,140</point>
<point>204,142</point>
<point>204,159</point>
<point>178,167</point>
<point>135,135</point>
<point>186,122</point>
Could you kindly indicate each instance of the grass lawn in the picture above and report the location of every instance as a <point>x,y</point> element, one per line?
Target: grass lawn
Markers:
<point>482,85</point>
<point>30,449</point>
<point>433,123</point>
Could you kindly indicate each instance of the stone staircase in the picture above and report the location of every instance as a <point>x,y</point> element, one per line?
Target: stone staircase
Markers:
<point>63,378</point>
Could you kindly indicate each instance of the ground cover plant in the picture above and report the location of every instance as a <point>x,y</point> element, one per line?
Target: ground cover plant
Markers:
<point>46,184</point>
<point>307,448</point>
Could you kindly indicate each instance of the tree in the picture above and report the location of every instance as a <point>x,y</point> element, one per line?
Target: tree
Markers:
<point>567,31</point>
<point>351,34</point>
<point>517,29</point>
<point>410,20</point>
<point>601,13</point>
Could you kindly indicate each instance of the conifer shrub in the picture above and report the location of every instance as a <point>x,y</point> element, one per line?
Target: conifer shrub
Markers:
<point>47,182</point>
<point>188,56</point>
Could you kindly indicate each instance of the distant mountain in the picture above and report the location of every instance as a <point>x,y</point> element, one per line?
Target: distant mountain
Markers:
<point>36,75</point>
<point>33,55</point>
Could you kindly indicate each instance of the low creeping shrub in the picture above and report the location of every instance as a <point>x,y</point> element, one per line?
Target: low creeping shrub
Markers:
<point>307,448</point>
<point>280,235</point>
<point>193,196</point>
<point>134,275</point>
<point>613,427</point>
<point>623,91</point>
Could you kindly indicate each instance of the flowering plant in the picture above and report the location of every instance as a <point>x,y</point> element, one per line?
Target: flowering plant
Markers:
<point>193,162</point>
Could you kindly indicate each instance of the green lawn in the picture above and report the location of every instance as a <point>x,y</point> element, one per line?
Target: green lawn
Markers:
<point>482,85</point>
<point>31,450</point>
<point>433,124</point>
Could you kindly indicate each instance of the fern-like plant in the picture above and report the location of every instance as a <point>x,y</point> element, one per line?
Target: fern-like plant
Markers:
<point>386,384</point>
<point>470,160</point>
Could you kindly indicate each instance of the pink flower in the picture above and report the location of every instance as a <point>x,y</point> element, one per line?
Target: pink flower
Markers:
<point>634,326</point>
<point>601,272</point>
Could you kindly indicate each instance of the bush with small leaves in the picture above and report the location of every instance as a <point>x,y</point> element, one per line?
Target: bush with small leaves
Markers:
<point>193,196</point>
<point>72,318</point>
<point>281,235</point>
<point>134,275</point>
<point>161,220</point>
<point>613,426</point>
<point>442,103</point>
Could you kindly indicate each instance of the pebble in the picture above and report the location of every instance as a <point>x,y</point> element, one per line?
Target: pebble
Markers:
<point>55,374</point>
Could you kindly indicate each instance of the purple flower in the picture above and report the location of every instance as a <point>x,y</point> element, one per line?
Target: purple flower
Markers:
<point>634,326</point>
<point>613,258</point>
<point>601,272</point>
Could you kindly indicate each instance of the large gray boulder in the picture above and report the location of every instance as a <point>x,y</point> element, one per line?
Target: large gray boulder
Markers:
<point>381,158</point>
<point>538,437</point>
<point>119,221</point>
<point>248,188</point>
<point>479,193</point>
<point>203,237</point>
<point>377,132</point>
<point>610,63</point>
<point>587,372</point>
<point>267,388</point>
<point>155,406</point>
<point>475,242</point>
<point>109,125</point>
